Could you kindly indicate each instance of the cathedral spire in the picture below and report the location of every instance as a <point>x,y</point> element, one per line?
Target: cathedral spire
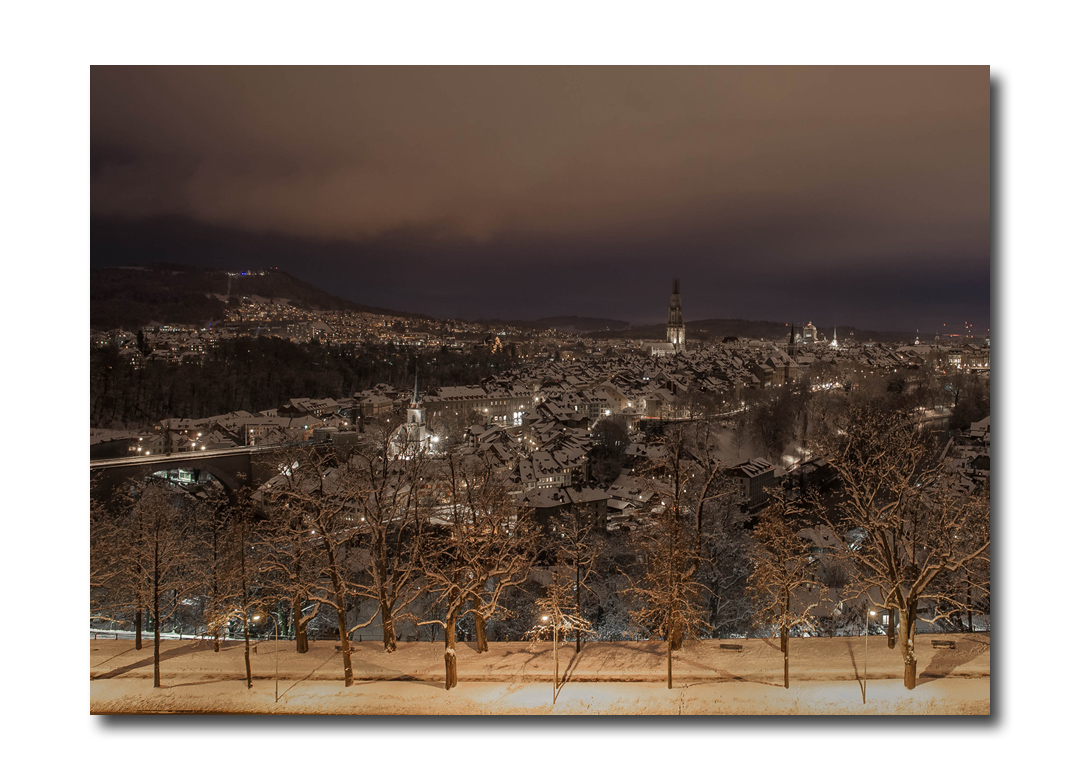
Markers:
<point>676,331</point>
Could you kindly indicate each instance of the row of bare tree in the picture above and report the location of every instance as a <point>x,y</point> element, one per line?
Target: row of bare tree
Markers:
<point>900,534</point>
<point>379,536</point>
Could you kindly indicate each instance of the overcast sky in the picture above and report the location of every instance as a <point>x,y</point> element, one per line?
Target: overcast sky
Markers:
<point>850,195</point>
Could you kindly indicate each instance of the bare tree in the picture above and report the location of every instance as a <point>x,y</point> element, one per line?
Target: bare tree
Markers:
<point>727,566</point>
<point>670,601</point>
<point>784,582</point>
<point>556,616</point>
<point>312,487</point>
<point>774,419</point>
<point>116,580</point>
<point>149,554</point>
<point>906,526</point>
<point>740,430</point>
<point>290,554</point>
<point>576,542</point>
<point>390,493</point>
<point>212,565</point>
<point>242,554</point>
<point>691,480</point>
<point>483,546</point>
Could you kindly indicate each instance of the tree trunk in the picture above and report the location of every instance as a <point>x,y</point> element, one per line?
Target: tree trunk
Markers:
<point>342,612</point>
<point>890,630</point>
<point>346,648</point>
<point>157,638</point>
<point>244,603</point>
<point>784,647</point>
<point>908,618</point>
<point>910,664</point>
<point>300,625</point>
<point>138,628</point>
<point>450,649</point>
<point>481,627</point>
<point>676,638</point>
<point>247,648</point>
<point>671,640</point>
<point>157,613</point>
<point>389,640</point>
<point>577,593</point>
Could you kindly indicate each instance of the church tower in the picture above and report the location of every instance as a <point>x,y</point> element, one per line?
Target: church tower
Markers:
<point>676,331</point>
<point>412,438</point>
<point>414,415</point>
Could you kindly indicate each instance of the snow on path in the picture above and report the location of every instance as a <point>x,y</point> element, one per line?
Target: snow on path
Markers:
<point>616,678</point>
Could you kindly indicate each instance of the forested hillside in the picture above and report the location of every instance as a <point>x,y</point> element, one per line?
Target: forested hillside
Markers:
<point>132,297</point>
<point>253,374</point>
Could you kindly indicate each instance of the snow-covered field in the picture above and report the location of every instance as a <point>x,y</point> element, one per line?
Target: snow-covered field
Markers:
<point>516,678</point>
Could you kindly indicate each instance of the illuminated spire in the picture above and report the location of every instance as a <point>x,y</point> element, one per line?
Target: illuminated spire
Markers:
<point>676,331</point>
<point>414,415</point>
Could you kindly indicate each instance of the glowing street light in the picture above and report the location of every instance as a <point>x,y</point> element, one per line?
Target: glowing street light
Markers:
<point>866,647</point>
<point>555,645</point>
<point>274,617</point>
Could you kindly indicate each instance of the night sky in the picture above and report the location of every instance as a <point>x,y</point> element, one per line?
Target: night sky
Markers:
<point>854,195</point>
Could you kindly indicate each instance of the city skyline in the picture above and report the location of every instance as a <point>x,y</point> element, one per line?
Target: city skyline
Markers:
<point>848,195</point>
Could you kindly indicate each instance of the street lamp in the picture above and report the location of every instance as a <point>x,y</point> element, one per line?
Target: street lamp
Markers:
<point>555,645</point>
<point>866,647</point>
<point>274,617</point>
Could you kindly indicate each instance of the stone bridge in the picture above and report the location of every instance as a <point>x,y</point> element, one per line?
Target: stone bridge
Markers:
<point>234,468</point>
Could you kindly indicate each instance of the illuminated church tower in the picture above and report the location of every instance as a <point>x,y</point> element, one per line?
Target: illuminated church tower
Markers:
<point>413,438</point>
<point>414,415</point>
<point>676,331</point>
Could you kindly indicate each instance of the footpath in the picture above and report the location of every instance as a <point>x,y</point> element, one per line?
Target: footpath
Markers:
<point>828,676</point>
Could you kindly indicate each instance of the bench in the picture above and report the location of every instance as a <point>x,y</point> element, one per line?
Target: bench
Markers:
<point>735,648</point>
<point>943,644</point>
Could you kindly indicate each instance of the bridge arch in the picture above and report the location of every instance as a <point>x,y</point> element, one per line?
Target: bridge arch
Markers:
<point>232,469</point>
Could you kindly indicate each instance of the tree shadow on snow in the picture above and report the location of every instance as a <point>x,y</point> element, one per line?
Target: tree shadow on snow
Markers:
<point>309,675</point>
<point>114,656</point>
<point>945,661</point>
<point>175,652</point>
<point>855,665</point>
<point>407,678</point>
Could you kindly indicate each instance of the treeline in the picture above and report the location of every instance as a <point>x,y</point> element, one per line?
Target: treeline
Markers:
<point>132,297</point>
<point>385,535</point>
<point>253,374</point>
<point>428,547</point>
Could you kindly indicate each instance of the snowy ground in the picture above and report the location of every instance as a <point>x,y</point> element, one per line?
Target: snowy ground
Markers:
<point>515,678</point>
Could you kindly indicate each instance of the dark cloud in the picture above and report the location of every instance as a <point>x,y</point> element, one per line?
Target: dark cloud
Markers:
<point>859,192</point>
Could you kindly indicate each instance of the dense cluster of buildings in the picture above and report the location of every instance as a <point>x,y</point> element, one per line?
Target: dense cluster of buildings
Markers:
<point>536,418</point>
